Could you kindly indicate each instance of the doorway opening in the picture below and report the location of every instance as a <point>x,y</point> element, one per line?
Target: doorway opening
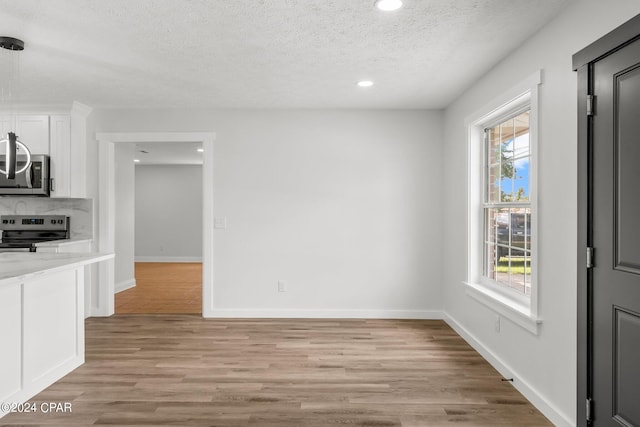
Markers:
<point>103,300</point>
<point>158,228</point>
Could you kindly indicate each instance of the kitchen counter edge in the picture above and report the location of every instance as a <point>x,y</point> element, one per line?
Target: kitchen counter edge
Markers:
<point>63,242</point>
<point>21,266</point>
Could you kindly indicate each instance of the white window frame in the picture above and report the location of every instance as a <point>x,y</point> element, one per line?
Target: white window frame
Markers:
<point>521,309</point>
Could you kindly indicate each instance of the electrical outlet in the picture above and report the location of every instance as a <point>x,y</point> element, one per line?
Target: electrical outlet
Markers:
<point>220,222</point>
<point>282,286</point>
<point>497,323</point>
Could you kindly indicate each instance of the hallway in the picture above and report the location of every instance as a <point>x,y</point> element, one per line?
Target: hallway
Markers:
<point>163,288</point>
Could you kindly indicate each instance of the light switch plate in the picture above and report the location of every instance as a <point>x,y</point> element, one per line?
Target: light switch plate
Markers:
<point>220,222</point>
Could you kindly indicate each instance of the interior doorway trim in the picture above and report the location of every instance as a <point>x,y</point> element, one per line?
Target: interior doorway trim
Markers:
<point>107,210</point>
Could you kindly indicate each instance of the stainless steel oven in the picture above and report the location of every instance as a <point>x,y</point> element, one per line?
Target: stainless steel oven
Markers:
<point>34,181</point>
<point>24,232</point>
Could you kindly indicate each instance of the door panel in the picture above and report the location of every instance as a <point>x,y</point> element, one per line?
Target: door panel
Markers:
<point>626,376</point>
<point>627,161</point>
<point>615,302</point>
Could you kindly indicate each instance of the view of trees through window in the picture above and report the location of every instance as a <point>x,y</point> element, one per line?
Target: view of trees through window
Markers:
<point>507,209</point>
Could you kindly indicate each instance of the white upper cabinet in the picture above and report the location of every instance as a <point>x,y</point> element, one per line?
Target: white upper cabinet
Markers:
<point>6,126</point>
<point>33,131</point>
<point>60,156</point>
<point>68,150</point>
<point>64,138</point>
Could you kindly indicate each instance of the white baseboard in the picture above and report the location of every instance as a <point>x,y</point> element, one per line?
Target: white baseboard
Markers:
<point>168,259</point>
<point>123,286</point>
<point>322,314</point>
<point>534,396</point>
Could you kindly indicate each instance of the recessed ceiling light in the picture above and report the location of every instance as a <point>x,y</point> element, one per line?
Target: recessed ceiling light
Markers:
<point>136,160</point>
<point>388,5</point>
<point>200,150</point>
<point>365,83</point>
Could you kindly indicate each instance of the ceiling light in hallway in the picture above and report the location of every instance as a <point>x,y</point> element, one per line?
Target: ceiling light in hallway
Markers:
<point>388,5</point>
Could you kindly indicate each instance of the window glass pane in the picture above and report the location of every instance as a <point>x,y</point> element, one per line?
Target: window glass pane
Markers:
<point>506,184</point>
<point>527,275</point>
<point>493,135</point>
<point>493,184</point>
<point>490,261</point>
<point>490,249</point>
<point>508,247</point>
<point>521,158</point>
<point>493,160</point>
<point>508,158</point>
<point>496,242</point>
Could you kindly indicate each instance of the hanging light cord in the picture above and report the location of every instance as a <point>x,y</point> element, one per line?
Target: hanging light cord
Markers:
<point>12,143</point>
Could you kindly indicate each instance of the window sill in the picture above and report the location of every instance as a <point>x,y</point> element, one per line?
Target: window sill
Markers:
<point>510,308</point>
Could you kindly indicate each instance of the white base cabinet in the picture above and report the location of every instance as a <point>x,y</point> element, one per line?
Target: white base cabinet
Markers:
<point>74,246</point>
<point>43,332</point>
<point>10,356</point>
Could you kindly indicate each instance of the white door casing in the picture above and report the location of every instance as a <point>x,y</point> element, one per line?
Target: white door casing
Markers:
<point>107,209</point>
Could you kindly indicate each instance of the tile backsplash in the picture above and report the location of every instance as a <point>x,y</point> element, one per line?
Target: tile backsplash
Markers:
<point>80,211</point>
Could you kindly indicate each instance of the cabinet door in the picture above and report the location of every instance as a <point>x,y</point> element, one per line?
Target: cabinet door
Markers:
<point>33,131</point>
<point>6,126</point>
<point>51,328</point>
<point>11,321</point>
<point>60,149</point>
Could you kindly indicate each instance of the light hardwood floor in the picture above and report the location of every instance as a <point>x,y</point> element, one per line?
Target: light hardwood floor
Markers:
<point>183,370</point>
<point>163,287</point>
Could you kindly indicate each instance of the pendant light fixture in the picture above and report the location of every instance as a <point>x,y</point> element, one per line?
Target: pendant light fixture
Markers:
<point>12,144</point>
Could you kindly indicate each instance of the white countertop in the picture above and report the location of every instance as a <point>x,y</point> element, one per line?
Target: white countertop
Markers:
<point>17,266</point>
<point>62,242</point>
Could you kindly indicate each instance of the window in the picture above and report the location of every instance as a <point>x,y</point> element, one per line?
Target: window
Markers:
<point>507,206</point>
<point>502,205</point>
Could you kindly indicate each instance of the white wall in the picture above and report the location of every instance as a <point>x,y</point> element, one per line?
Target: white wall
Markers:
<point>168,212</point>
<point>544,366</point>
<point>124,220</point>
<point>343,205</point>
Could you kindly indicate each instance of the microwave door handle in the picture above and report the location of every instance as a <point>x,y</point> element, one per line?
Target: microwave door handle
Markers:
<point>27,174</point>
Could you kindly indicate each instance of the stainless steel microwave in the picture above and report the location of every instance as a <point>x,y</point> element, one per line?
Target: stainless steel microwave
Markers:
<point>34,181</point>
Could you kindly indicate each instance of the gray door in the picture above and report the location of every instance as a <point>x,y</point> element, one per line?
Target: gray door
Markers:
<point>615,302</point>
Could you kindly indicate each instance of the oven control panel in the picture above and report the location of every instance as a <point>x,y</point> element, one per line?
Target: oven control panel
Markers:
<point>34,222</point>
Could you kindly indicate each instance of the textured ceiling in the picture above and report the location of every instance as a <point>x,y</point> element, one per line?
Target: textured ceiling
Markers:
<point>262,53</point>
